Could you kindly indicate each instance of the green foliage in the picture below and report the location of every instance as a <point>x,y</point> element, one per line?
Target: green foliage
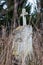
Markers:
<point>0,8</point>
<point>28,9</point>
<point>21,4</point>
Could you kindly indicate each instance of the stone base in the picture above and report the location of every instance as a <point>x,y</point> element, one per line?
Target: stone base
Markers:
<point>22,42</point>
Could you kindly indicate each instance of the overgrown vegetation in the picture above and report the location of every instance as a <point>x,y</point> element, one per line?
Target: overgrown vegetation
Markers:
<point>7,16</point>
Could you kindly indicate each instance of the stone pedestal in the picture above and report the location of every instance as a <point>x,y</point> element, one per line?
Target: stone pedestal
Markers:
<point>22,42</point>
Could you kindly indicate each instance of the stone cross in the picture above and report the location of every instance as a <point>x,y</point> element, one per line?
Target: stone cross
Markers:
<point>24,13</point>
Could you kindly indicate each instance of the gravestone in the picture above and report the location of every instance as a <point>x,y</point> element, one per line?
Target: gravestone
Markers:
<point>22,40</point>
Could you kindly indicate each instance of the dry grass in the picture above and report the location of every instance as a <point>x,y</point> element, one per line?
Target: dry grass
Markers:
<point>36,58</point>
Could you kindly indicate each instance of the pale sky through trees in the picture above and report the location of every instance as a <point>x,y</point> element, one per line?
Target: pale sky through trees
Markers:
<point>5,6</point>
<point>33,2</point>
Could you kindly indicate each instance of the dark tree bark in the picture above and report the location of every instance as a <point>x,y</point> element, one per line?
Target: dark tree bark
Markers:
<point>40,13</point>
<point>15,13</point>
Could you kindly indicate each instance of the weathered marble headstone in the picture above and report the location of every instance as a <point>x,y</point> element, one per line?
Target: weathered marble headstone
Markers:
<point>22,41</point>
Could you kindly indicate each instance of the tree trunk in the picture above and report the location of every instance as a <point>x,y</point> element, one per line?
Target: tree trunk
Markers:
<point>15,13</point>
<point>41,1</point>
<point>40,14</point>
